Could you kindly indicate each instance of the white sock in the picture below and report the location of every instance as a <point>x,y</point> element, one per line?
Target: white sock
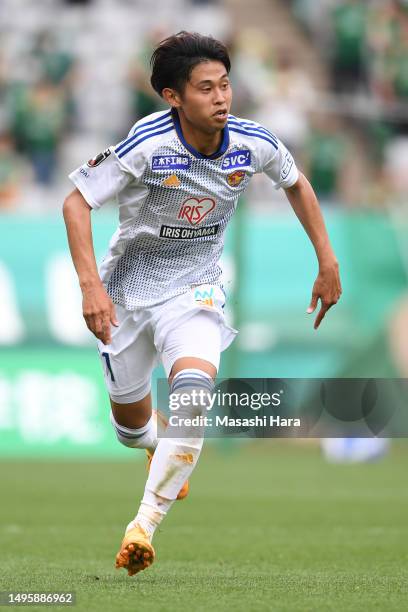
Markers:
<point>152,511</point>
<point>174,458</point>
<point>142,437</point>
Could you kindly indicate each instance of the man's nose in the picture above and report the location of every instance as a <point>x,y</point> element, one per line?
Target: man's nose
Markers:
<point>219,96</point>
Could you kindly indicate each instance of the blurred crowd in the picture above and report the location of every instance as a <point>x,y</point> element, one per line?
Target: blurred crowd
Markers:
<point>65,86</point>
<point>365,43</point>
<point>365,46</point>
<point>37,110</point>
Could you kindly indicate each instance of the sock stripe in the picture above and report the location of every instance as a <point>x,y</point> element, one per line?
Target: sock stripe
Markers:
<point>192,375</point>
<point>133,436</point>
<point>192,378</point>
<point>189,388</point>
<point>191,382</point>
<point>207,381</point>
<point>193,372</point>
<point>127,432</point>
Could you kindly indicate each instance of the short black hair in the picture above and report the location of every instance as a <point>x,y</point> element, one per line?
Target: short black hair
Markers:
<point>176,56</point>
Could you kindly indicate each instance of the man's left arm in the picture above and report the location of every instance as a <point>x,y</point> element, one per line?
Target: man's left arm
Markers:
<point>327,286</point>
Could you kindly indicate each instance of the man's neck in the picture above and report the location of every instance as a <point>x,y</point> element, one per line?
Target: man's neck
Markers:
<point>204,143</point>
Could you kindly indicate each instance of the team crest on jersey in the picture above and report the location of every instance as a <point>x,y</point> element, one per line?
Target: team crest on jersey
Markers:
<point>99,158</point>
<point>194,210</point>
<point>237,159</point>
<point>235,178</point>
<point>171,162</point>
<point>171,181</point>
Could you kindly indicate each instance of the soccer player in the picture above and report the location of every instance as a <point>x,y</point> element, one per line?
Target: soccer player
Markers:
<point>176,180</point>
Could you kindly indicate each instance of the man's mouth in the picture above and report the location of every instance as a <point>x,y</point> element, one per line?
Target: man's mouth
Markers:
<point>221,114</point>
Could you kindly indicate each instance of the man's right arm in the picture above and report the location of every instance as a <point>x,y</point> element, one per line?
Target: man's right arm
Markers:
<point>98,308</point>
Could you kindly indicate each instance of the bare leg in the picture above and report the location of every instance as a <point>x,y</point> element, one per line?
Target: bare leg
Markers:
<point>185,363</point>
<point>133,415</point>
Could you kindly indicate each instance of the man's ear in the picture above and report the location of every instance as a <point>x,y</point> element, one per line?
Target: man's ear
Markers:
<point>172,97</point>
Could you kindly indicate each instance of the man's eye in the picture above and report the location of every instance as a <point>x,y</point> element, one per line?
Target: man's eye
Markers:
<point>206,89</point>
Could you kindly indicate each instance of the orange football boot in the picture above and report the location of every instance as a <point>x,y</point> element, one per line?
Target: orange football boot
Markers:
<point>136,551</point>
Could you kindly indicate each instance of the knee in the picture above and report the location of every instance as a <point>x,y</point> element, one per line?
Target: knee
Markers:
<point>191,391</point>
<point>192,364</point>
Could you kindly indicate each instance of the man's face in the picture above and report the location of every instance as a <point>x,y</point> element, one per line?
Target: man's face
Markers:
<point>206,99</point>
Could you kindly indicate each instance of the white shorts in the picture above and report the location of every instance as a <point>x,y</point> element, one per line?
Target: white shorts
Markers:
<point>188,325</point>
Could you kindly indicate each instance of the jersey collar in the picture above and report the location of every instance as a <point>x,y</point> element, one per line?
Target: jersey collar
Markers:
<point>221,149</point>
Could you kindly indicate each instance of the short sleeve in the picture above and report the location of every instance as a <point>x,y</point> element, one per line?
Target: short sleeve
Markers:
<point>102,178</point>
<point>280,166</point>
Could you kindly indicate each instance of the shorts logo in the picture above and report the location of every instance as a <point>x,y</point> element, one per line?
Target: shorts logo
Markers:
<point>235,178</point>
<point>99,158</point>
<point>237,159</point>
<point>171,162</point>
<point>171,181</point>
<point>204,298</point>
<point>194,209</point>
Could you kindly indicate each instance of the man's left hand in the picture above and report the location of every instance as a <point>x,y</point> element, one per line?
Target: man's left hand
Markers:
<point>327,288</point>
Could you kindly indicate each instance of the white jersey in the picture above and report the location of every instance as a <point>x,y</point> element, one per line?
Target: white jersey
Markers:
<point>174,203</point>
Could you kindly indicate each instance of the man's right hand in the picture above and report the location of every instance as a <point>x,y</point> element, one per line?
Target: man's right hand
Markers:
<point>99,311</point>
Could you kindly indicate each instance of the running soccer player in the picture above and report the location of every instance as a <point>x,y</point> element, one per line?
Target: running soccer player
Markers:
<point>176,180</point>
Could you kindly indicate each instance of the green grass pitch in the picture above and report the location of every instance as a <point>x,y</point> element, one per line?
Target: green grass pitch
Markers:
<point>269,526</point>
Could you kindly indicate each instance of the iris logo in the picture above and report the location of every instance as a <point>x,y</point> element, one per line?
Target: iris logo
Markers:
<point>204,298</point>
<point>195,209</point>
